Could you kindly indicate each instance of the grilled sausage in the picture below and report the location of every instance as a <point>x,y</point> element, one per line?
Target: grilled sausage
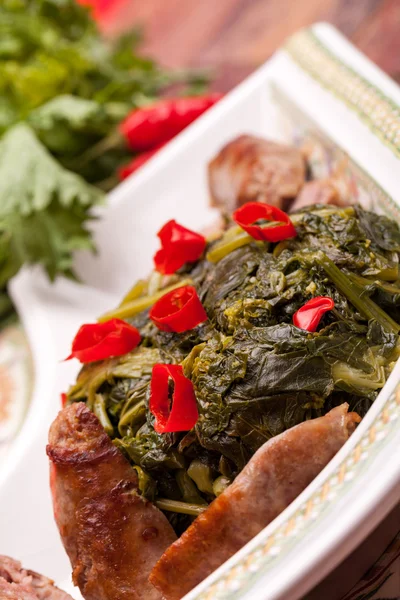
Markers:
<point>277,473</point>
<point>112,535</point>
<point>17,583</point>
<point>253,169</point>
<point>320,191</point>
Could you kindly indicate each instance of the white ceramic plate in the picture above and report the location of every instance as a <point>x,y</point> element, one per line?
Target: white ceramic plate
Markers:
<point>318,89</point>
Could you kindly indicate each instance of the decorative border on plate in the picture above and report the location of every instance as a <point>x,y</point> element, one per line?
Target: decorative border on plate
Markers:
<point>379,112</point>
<point>16,382</point>
<point>382,116</point>
<point>380,200</point>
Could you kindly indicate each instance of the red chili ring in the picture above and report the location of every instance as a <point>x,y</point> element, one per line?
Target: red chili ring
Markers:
<point>179,310</point>
<point>178,246</point>
<point>250,213</point>
<point>311,313</point>
<point>98,341</point>
<point>179,413</point>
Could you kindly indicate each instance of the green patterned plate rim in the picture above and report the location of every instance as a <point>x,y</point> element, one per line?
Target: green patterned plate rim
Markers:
<point>379,112</point>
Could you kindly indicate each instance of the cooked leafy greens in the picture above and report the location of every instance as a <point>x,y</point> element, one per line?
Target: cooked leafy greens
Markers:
<point>254,373</point>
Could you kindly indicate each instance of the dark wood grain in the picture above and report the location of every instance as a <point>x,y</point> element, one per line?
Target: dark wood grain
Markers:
<point>234,37</point>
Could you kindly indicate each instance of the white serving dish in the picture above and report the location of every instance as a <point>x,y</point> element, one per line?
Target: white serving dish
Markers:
<point>336,96</point>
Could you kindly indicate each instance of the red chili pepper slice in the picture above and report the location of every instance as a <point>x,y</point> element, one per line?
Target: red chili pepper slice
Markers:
<point>179,310</point>
<point>247,216</point>
<point>309,315</point>
<point>64,399</point>
<point>178,413</point>
<point>158,123</point>
<point>178,246</point>
<point>97,341</point>
<point>137,162</point>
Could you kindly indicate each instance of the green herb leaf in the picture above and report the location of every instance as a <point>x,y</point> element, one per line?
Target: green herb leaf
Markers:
<point>43,207</point>
<point>68,125</point>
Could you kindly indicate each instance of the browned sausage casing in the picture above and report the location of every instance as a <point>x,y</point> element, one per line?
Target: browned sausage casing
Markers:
<point>319,191</point>
<point>250,169</point>
<point>17,583</point>
<point>112,535</point>
<point>277,473</point>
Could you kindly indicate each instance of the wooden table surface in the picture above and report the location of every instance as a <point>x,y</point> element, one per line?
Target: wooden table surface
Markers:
<point>233,37</point>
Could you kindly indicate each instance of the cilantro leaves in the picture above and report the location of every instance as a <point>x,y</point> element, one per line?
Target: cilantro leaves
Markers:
<point>43,207</point>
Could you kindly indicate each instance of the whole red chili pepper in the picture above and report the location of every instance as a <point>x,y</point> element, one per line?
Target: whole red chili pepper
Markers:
<point>310,314</point>
<point>247,216</point>
<point>101,8</point>
<point>137,162</point>
<point>64,399</point>
<point>157,123</point>
<point>97,341</point>
<point>179,310</point>
<point>178,246</point>
<point>176,413</point>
